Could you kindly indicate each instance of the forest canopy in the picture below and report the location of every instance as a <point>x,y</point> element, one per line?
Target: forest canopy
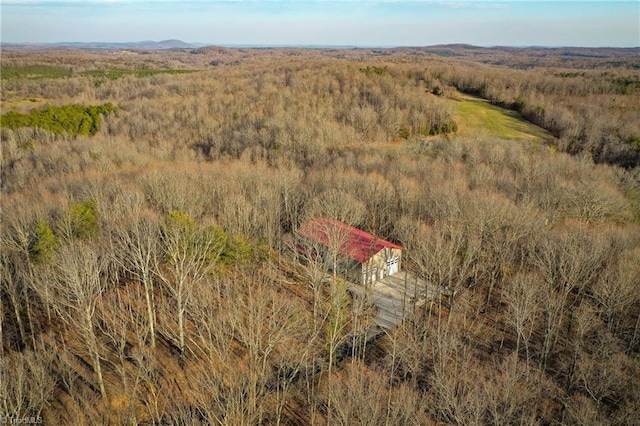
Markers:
<point>146,250</point>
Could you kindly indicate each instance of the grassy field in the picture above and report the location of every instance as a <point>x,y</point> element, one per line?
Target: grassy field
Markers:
<point>477,116</point>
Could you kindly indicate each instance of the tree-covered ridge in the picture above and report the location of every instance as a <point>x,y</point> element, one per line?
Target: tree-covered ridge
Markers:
<point>74,120</point>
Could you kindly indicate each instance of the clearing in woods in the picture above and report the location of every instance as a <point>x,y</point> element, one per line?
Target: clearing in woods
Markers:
<point>478,117</point>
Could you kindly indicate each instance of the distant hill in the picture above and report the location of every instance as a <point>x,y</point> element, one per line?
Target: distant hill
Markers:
<point>213,50</point>
<point>467,50</point>
<point>147,44</point>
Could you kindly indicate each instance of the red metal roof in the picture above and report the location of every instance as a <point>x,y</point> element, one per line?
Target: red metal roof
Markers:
<point>354,243</point>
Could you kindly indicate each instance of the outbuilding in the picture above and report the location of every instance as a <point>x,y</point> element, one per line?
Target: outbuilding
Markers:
<point>359,256</point>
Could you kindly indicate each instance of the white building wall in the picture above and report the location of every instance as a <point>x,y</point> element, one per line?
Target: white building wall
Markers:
<point>384,263</point>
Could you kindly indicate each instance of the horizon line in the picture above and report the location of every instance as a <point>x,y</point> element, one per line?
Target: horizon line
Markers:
<point>303,45</point>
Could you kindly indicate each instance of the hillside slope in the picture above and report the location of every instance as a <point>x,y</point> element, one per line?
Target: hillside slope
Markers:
<point>147,271</point>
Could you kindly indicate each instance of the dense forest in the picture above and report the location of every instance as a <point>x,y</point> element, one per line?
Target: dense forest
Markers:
<point>147,197</point>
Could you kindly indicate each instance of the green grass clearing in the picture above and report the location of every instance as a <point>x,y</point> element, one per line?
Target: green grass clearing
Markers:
<point>477,116</point>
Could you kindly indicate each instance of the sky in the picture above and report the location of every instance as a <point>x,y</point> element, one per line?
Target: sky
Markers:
<point>362,23</point>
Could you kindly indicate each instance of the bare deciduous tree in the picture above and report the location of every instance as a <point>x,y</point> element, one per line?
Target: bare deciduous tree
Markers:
<point>17,273</point>
<point>137,251</point>
<point>456,396</point>
<point>617,291</point>
<point>268,326</point>
<point>78,285</point>
<point>522,295</point>
<point>569,264</point>
<point>512,395</point>
<point>445,255</point>
<point>11,286</point>
<point>123,326</point>
<point>190,252</point>
<point>26,385</point>
<point>358,395</point>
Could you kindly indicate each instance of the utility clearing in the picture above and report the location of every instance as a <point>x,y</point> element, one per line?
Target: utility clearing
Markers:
<point>479,118</point>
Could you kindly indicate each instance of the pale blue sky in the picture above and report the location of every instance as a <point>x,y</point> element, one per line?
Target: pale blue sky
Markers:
<point>326,22</point>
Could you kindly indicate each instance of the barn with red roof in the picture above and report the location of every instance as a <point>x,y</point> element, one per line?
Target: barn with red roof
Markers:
<point>361,256</point>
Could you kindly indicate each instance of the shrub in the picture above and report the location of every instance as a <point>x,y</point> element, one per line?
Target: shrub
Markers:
<point>208,241</point>
<point>519,105</point>
<point>238,251</point>
<point>374,70</point>
<point>43,241</point>
<point>444,128</point>
<point>83,219</point>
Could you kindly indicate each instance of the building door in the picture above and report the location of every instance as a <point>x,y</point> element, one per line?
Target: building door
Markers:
<point>392,266</point>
